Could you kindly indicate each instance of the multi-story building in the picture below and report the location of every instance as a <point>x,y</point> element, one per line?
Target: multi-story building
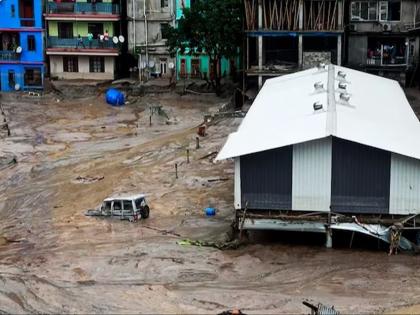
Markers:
<point>84,38</point>
<point>21,53</point>
<point>284,36</point>
<point>197,66</point>
<point>381,38</point>
<point>146,21</point>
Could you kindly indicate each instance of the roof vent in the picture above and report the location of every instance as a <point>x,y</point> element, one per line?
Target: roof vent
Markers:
<point>341,75</point>
<point>345,97</point>
<point>319,86</point>
<point>342,86</point>
<point>317,106</point>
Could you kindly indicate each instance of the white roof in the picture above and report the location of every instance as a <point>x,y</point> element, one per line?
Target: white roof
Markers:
<point>377,114</point>
<point>125,197</point>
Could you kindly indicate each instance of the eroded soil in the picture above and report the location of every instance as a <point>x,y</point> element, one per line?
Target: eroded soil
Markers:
<point>53,259</point>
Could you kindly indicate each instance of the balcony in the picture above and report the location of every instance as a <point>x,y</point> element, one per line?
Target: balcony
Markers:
<point>56,45</point>
<point>8,55</point>
<point>77,8</point>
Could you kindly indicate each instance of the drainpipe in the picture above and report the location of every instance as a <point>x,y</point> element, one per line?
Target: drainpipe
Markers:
<point>146,34</point>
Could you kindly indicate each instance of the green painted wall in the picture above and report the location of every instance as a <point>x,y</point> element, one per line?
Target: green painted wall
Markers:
<point>107,1</point>
<point>204,64</point>
<point>79,28</point>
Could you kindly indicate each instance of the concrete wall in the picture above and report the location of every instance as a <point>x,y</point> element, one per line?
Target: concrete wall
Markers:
<point>357,50</point>
<point>311,184</point>
<point>313,58</point>
<point>405,185</point>
<point>155,15</point>
<point>56,68</point>
<point>407,17</point>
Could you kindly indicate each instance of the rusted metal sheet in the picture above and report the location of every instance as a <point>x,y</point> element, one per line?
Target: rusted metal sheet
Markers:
<point>405,185</point>
<point>311,184</point>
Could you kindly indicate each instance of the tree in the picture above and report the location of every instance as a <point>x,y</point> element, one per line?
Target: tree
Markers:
<point>210,27</point>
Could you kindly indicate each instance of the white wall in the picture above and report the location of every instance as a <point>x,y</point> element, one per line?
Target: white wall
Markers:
<point>311,179</point>
<point>405,185</point>
<point>56,64</point>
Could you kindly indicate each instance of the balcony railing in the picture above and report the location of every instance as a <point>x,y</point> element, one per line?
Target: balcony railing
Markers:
<point>8,55</point>
<point>55,42</point>
<point>27,22</point>
<point>83,8</point>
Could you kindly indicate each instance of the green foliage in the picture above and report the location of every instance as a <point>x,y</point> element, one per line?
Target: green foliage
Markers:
<point>210,27</point>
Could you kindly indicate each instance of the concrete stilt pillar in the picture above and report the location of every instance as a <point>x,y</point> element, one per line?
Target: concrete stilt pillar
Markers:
<point>328,238</point>
<point>300,51</point>
<point>339,50</point>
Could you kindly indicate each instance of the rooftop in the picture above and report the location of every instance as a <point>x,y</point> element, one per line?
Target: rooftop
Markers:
<point>351,105</point>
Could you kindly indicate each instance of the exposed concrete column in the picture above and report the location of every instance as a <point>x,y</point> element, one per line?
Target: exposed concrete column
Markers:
<point>340,14</point>
<point>260,43</point>
<point>328,240</point>
<point>300,14</point>
<point>339,50</point>
<point>300,51</point>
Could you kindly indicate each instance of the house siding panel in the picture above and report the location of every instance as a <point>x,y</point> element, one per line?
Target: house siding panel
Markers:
<point>360,178</point>
<point>266,179</point>
<point>311,185</point>
<point>405,185</point>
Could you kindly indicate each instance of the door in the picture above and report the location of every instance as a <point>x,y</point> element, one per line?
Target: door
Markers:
<point>127,208</point>
<point>117,208</point>
<point>163,66</point>
<point>65,30</point>
<point>360,178</point>
<point>183,70</point>
<point>11,79</point>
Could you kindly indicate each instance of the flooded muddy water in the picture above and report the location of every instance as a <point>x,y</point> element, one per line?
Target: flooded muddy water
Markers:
<point>53,259</point>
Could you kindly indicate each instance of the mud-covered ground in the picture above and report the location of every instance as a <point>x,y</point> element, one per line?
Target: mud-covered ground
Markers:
<point>53,259</point>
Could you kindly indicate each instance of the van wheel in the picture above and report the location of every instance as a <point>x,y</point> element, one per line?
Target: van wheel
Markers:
<point>145,212</point>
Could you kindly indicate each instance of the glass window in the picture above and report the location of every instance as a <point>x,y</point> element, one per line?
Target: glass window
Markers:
<point>33,77</point>
<point>128,205</point>
<point>31,43</point>
<point>117,205</point>
<point>164,3</point>
<point>70,64</point>
<point>364,11</point>
<point>139,203</point>
<point>106,206</point>
<point>96,64</point>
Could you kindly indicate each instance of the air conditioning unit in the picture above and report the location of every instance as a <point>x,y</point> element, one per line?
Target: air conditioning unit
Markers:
<point>353,27</point>
<point>386,27</point>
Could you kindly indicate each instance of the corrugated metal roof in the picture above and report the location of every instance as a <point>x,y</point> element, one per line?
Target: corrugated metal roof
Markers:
<point>377,113</point>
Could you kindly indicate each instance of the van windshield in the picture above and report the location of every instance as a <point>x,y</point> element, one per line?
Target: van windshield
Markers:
<point>106,205</point>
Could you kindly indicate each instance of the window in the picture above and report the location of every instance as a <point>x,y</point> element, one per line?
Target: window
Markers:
<point>128,205</point>
<point>12,10</point>
<point>164,30</point>
<point>96,64</point>
<point>364,11</point>
<point>106,206</point>
<point>117,205</point>
<point>26,12</point>
<point>31,43</point>
<point>65,30</point>
<point>70,64</point>
<point>33,77</point>
<point>139,203</point>
<point>164,3</point>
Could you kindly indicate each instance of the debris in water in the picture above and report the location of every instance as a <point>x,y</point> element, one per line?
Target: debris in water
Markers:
<point>88,179</point>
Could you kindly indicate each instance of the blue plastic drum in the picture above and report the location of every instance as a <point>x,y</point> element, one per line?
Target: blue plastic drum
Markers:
<point>114,97</point>
<point>210,212</point>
